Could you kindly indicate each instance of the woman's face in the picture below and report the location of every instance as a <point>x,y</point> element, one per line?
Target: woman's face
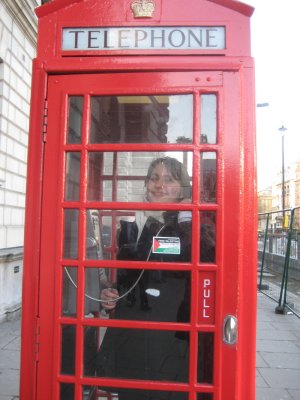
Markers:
<point>162,187</point>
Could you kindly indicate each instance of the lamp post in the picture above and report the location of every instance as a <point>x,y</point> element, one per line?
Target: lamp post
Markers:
<point>260,105</point>
<point>282,129</point>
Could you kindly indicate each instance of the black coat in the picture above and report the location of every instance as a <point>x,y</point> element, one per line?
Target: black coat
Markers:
<point>144,353</point>
<point>149,354</point>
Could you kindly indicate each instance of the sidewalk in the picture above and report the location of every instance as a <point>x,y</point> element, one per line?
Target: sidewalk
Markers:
<point>9,359</point>
<point>278,355</point>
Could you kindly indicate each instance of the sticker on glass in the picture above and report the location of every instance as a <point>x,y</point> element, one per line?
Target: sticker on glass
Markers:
<point>166,245</point>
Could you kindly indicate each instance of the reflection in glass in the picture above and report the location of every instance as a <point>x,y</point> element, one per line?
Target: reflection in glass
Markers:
<point>208,236</point>
<point>208,114</point>
<point>143,354</point>
<point>71,234</point>
<point>75,119</point>
<point>142,119</point>
<point>205,357</point>
<point>120,176</point>
<point>72,176</point>
<point>68,345</point>
<point>67,391</point>
<point>69,292</point>
<point>208,170</point>
<point>152,295</point>
<point>131,394</point>
<point>99,233</point>
<point>94,245</point>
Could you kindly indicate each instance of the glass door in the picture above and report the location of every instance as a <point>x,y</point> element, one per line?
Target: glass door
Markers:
<point>134,276</point>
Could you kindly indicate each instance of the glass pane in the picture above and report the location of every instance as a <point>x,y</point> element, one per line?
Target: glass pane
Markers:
<point>204,396</point>
<point>99,234</point>
<point>208,114</point>
<point>130,394</point>
<point>129,235</point>
<point>205,357</point>
<point>91,340</point>
<point>69,294</point>
<point>92,303</point>
<point>68,344</point>
<point>94,247</point>
<point>152,295</point>
<point>129,176</point>
<point>75,119</point>
<point>67,391</point>
<point>208,177</point>
<point>72,176</point>
<point>142,119</point>
<point>71,234</point>
<point>208,236</point>
<point>143,354</point>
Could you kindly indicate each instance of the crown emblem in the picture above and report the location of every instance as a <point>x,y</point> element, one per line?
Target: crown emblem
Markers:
<point>143,8</point>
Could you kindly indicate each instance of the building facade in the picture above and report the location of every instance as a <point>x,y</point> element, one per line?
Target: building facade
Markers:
<point>270,199</point>
<point>18,30</point>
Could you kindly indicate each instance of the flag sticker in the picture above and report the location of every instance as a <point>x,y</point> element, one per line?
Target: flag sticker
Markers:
<point>166,245</point>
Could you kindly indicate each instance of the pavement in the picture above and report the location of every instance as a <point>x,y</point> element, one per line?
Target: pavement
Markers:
<point>278,355</point>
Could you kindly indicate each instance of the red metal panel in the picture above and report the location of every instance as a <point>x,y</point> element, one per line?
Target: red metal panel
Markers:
<point>236,6</point>
<point>229,279</point>
<point>51,249</point>
<point>247,306</point>
<point>30,302</point>
<point>55,6</point>
<point>58,14</point>
<point>144,63</point>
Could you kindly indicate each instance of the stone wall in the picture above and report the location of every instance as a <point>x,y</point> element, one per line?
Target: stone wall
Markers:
<point>18,32</point>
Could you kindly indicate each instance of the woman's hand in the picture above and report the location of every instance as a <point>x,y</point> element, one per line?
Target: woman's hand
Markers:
<point>109,298</point>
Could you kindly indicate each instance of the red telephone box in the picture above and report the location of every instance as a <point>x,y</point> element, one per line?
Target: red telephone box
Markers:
<point>140,282</point>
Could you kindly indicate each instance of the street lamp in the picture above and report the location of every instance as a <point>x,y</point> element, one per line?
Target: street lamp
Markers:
<point>282,129</point>
<point>260,105</point>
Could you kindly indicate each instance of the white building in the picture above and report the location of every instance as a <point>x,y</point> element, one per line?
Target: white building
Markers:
<point>291,188</point>
<point>18,30</point>
<point>270,199</point>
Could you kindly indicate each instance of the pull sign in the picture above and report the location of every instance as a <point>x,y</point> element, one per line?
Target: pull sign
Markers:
<point>207,298</point>
<point>166,245</point>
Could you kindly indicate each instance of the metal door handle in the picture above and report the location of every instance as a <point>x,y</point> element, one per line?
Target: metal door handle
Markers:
<point>230,326</point>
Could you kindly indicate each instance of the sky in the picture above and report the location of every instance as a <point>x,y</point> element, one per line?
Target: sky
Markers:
<point>275,48</point>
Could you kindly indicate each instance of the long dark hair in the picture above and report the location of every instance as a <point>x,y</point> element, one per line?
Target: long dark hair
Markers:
<point>177,171</point>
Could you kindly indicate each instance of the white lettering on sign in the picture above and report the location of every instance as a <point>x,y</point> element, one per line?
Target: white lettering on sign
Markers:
<point>206,297</point>
<point>144,38</point>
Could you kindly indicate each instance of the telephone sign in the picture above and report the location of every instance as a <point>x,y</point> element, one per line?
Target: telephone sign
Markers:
<point>144,38</point>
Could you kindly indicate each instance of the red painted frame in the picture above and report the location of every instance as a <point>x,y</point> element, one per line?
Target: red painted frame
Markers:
<point>89,84</point>
<point>237,182</point>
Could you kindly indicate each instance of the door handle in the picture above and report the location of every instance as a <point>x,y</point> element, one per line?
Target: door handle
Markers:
<point>230,329</point>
